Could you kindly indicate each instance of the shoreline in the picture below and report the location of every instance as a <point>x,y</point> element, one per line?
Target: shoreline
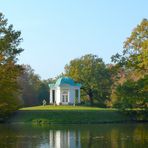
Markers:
<point>76,117</point>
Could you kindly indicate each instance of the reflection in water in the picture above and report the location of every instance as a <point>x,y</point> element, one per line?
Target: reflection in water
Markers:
<point>74,136</point>
<point>64,139</point>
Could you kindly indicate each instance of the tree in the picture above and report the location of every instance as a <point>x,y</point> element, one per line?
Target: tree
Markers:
<point>30,84</point>
<point>34,90</point>
<point>94,76</point>
<point>136,46</point>
<point>133,94</point>
<point>132,91</point>
<point>43,92</point>
<point>9,69</point>
<point>135,53</point>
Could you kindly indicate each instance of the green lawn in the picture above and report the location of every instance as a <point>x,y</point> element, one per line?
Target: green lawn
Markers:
<point>70,115</point>
<point>67,115</point>
<point>66,107</point>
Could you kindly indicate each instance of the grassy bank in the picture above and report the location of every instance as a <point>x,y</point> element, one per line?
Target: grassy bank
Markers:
<point>68,115</point>
<point>75,115</point>
<point>65,108</point>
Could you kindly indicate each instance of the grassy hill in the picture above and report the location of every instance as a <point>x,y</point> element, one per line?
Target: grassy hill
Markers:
<point>67,115</point>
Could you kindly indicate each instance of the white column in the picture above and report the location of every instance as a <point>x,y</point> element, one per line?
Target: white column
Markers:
<point>79,101</point>
<point>69,94</point>
<point>58,95</point>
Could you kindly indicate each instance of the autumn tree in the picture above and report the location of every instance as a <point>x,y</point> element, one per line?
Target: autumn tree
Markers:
<point>133,94</point>
<point>135,54</point>
<point>9,69</point>
<point>134,63</point>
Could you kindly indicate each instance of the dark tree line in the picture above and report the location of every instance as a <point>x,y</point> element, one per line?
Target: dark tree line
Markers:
<point>33,89</point>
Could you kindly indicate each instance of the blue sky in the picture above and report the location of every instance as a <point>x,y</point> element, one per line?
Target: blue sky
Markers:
<point>57,31</point>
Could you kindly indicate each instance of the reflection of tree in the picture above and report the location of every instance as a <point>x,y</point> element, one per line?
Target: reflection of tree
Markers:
<point>90,139</point>
<point>140,134</point>
<point>114,137</point>
<point>14,137</point>
<point>129,135</point>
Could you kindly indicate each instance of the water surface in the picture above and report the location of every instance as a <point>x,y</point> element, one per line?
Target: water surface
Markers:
<point>74,136</point>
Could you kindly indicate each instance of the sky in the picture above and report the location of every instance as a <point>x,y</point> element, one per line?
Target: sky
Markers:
<point>57,31</point>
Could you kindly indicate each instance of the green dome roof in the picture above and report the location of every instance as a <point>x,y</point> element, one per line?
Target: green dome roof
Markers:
<point>64,80</point>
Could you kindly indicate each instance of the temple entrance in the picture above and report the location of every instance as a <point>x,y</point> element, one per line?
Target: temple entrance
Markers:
<point>53,96</point>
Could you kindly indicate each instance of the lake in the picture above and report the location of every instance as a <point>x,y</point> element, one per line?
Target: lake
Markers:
<point>74,136</point>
